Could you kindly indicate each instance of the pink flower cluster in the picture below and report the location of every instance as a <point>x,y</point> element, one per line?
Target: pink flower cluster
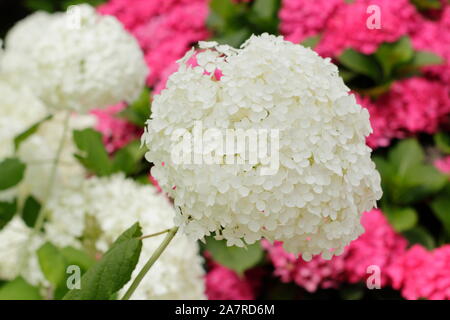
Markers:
<point>116,132</point>
<point>379,245</point>
<point>345,25</point>
<point>225,284</point>
<point>165,30</point>
<point>414,105</point>
<point>422,274</point>
<point>416,272</point>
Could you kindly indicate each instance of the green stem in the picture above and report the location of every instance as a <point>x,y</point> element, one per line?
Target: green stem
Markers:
<point>150,263</point>
<point>154,234</point>
<point>48,191</point>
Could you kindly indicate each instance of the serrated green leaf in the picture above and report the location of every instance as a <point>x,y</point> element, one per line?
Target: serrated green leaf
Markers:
<point>93,154</point>
<point>442,140</point>
<point>419,235</point>
<point>235,258</point>
<point>52,263</point>
<point>401,219</point>
<point>27,133</point>
<point>7,212</point>
<point>11,172</point>
<point>361,63</point>
<point>30,211</point>
<point>393,54</point>
<point>111,273</point>
<point>19,289</point>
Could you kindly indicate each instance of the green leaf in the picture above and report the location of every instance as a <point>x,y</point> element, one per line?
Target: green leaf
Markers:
<point>405,154</point>
<point>427,4</point>
<point>52,263</point>
<point>111,273</point>
<point>311,42</point>
<point>128,159</point>
<point>265,9</point>
<point>77,257</point>
<point>392,54</point>
<point>401,219</point>
<point>11,172</point>
<point>234,38</point>
<point>426,58</point>
<point>442,140</point>
<point>19,289</point>
<point>360,63</point>
<point>30,211</point>
<point>235,258</point>
<point>441,209</point>
<point>7,212</point>
<point>419,235</point>
<point>93,153</point>
<point>27,133</point>
<point>139,111</point>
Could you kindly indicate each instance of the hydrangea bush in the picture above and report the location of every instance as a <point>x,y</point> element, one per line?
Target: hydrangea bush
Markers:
<point>93,204</point>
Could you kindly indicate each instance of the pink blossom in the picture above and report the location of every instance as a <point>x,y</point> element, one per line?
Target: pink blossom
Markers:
<point>415,105</point>
<point>443,164</point>
<point>116,132</point>
<point>300,19</point>
<point>378,246</point>
<point>165,30</point>
<point>313,275</point>
<point>347,27</point>
<point>435,37</point>
<point>225,284</point>
<point>423,274</point>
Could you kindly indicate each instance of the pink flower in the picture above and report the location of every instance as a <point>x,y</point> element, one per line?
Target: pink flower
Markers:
<point>415,105</point>
<point>423,274</point>
<point>313,275</point>
<point>116,132</point>
<point>443,164</point>
<point>165,30</point>
<point>225,284</point>
<point>435,37</point>
<point>348,26</point>
<point>300,19</point>
<point>379,245</point>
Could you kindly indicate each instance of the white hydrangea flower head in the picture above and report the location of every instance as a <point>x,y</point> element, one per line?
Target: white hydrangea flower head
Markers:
<point>20,109</point>
<point>82,61</point>
<point>326,178</point>
<point>116,203</point>
<point>13,238</point>
<point>39,150</point>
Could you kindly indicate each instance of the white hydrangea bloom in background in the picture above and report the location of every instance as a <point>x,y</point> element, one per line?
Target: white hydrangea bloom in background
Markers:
<point>12,241</point>
<point>326,178</point>
<point>39,150</point>
<point>116,203</point>
<point>79,60</point>
<point>20,109</point>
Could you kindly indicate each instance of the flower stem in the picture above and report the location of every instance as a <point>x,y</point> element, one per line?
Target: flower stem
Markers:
<point>154,234</point>
<point>171,233</point>
<point>48,191</point>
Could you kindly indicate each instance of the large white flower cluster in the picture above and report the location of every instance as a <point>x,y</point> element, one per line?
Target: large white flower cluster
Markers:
<point>325,179</point>
<point>78,60</point>
<point>20,109</point>
<point>13,241</point>
<point>114,204</point>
